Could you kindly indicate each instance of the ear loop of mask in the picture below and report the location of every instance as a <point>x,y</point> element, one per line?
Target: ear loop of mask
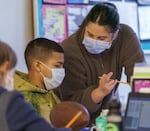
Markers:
<point>41,74</point>
<point>45,65</point>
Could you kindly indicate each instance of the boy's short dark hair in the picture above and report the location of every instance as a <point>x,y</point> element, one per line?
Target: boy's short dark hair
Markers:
<point>41,49</point>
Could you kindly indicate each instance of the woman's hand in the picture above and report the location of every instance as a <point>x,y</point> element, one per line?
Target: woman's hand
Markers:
<point>106,84</point>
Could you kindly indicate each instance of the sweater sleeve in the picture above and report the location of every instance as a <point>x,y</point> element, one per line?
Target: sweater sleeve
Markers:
<point>21,116</point>
<point>75,87</point>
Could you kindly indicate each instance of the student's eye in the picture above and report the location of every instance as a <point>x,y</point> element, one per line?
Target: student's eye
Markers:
<point>58,66</point>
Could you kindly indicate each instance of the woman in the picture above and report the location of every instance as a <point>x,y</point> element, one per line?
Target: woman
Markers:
<point>95,56</point>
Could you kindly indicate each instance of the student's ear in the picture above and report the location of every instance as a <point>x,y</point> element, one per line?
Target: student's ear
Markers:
<point>36,65</point>
<point>4,69</point>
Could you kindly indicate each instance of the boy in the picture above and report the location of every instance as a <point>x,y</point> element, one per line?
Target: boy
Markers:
<point>44,59</point>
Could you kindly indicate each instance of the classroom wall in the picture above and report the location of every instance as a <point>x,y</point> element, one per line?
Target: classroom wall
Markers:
<point>16,26</point>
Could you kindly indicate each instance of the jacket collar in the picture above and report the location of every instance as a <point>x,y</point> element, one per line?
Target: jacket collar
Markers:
<point>21,83</point>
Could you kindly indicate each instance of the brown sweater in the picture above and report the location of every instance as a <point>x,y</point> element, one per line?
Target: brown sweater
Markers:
<point>83,68</point>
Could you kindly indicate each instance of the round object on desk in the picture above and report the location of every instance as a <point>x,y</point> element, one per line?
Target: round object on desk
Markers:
<point>69,114</point>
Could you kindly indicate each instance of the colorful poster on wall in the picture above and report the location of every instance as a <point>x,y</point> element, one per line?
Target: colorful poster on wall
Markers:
<point>75,16</point>
<point>77,1</point>
<point>54,22</point>
<point>55,1</point>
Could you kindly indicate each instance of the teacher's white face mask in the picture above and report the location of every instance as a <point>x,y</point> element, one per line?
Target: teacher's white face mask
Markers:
<point>95,46</point>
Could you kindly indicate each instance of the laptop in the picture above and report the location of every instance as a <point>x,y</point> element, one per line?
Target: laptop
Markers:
<point>137,114</point>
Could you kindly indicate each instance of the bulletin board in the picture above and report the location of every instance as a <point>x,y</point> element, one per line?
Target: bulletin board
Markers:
<point>58,19</point>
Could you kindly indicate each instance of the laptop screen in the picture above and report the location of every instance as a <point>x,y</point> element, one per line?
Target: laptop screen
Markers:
<point>137,115</point>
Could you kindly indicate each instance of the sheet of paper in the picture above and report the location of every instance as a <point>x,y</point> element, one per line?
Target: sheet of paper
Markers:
<point>144,22</point>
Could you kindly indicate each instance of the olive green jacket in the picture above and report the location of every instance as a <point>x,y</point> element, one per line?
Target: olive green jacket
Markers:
<point>42,100</point>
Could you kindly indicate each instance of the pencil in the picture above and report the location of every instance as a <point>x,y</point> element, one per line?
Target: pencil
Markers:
<point>121,82</point>
<point>73,119</point>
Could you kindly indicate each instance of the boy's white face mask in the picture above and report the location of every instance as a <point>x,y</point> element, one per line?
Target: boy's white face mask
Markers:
<point>58,75</point>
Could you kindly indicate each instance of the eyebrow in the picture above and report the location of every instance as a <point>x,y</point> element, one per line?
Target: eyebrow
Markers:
<point>103,37</point>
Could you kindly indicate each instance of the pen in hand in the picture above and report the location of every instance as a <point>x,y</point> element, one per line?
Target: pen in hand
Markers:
<point>120,82</point>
